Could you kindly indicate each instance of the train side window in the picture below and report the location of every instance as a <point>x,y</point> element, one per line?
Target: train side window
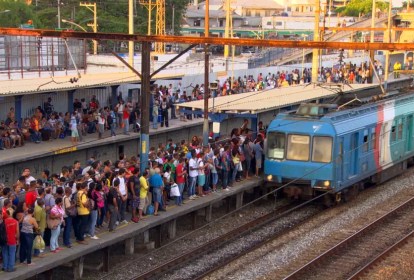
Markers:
<point>298,147</point>
<point>365,143</point>
<point>373,139</point>
<point>276,145</point>
<point>322,149</point>
<point>393,133</point>
<point>400,129</point>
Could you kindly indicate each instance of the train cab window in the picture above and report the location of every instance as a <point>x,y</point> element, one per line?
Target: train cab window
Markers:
<point>298,147</point>
<point>276,145</point>
<point>322,149</point>
<point>365,143</point>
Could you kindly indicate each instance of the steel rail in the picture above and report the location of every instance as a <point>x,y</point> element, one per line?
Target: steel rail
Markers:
<point>209,40</point>
<point>223,239</point>
<point>332,251</point>
<point>382,256</point>
<point>258,245</point>
<point>179,260</point>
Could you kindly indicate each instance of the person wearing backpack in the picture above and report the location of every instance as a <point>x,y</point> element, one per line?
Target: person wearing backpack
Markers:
<point>9,236</point>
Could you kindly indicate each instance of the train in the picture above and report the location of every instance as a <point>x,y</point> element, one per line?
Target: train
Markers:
<point>340,148</point>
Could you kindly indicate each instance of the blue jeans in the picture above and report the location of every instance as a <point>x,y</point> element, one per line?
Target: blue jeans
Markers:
<point>92,222</point>
<point>82,224</point>
<point>113,129</point>
<point>9,257</point>
<point>155,122</point>
<point>214,178</point>
<point>192,181</point>
<point>234,174</point>
<point>225,178</point>
<point>54,244</point>
<point>67,230</point>
<point>126,126</point>
<point>101,218</point>
<point>179,199</point>
<point>26,246</point>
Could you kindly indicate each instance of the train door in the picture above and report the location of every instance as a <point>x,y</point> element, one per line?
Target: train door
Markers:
<point>353,168</point>
<point>340,160</point>
<point>409,134</point>
<point>385,138</point>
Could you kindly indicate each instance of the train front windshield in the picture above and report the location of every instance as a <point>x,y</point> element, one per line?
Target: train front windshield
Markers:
<point>298,147</point>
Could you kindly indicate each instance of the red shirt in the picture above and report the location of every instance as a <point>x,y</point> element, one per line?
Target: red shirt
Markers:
<point>178,170</point>
<point>31,197</point>
<point>11,230</point>
<point>4,213</point>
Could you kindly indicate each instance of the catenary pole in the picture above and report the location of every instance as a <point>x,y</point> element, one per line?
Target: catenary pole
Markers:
<point>206,73</point>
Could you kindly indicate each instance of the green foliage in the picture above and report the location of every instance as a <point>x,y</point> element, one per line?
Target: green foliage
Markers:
<point>360,7</point>
<point>19,13</point>
<point>112,15</point>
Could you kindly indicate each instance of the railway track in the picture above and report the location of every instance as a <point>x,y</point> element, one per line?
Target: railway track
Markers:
<point>355,255</point>
<point>221,241</point>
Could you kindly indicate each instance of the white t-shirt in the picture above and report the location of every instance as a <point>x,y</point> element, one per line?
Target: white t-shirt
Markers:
<point>29,179</point>
<point>200,165</point>
<point>193,164</point>
<point>122,186</point>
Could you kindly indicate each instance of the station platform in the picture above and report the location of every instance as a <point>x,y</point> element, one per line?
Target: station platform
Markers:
<point>127,234</point>
<point>61,146</point>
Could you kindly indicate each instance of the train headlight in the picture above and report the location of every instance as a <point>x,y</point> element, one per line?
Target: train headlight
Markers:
<point>326,184</point>
<point>269,177</point>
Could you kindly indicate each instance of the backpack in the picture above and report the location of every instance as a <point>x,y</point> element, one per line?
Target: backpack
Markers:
<point>3,233</point>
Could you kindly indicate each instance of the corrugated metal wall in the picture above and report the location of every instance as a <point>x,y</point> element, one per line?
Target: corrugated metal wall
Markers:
<point>30,102</point>
<point>102,94</point>
<point>5,104</point>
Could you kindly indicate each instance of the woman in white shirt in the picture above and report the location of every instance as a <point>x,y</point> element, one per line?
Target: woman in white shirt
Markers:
<point>201,180</point>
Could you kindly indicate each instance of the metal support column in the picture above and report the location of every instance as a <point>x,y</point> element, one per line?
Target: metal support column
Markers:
<point>206,73</point>
<point>105,259</point>
<point>145,103</point>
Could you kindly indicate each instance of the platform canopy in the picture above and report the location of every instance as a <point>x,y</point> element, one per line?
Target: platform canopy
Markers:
<point>259,101</point>
<point>62,83</point>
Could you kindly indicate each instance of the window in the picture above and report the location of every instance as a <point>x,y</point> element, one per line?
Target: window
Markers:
<point>373,139</point>
<point>276,145</point>
<point>267,13</point>
<point>400,129</point>
<point>322,149</point>
<point>393,133</point>
<point>269,23</point>
<point>248,13</point>
<point>197,22</point>
<point>278,23</point>
<point>298,147</point>
<point>257,14</point>
<point>365,143</point>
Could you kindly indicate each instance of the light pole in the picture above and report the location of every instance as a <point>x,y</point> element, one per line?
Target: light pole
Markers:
<point>94,25</point>
<point>58,15</point>
<point>75,24</point>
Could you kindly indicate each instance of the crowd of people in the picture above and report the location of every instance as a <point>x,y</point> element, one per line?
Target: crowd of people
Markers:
<point>76,201</point>
<point>90,117</point>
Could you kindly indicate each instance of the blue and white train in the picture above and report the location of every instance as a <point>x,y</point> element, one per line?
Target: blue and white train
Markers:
<point>319,148</point>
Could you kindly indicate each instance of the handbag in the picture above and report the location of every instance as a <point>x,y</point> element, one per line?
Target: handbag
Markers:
<point>52,223</point>
<point>71,212</point>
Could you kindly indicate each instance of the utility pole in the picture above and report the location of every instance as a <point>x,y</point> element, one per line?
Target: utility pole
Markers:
<point>131,31</point>
<point>145,104</point>
<point>227,28</point>
<point>315,52</point>
<point>160,25</point>
<point>206,73</point>
<point>371,40</point>
<point>149,5</point>
<point>94,25</point>
<point>388,40</point>
<point>58,15</point>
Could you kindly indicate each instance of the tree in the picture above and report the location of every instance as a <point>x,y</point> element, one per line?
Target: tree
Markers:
<point>19,13</point>
<point>356,8</point>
